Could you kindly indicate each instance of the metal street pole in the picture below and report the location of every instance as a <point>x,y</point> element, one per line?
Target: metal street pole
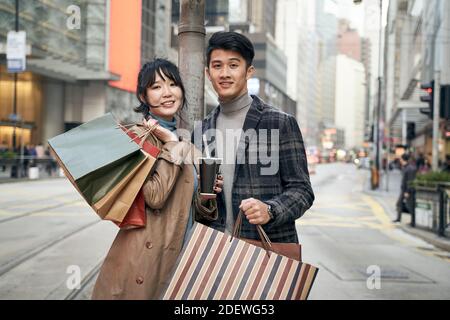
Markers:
<point>15,85</point>
<point>436,117</point>
<point>191,57</point>
<point>375,171</point>
<point>377,147</point>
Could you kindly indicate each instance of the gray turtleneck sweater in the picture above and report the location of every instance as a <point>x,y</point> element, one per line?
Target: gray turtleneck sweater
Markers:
<point>231,118</point>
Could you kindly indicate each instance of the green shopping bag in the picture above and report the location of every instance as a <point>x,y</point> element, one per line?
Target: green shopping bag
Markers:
<point>97,156</point>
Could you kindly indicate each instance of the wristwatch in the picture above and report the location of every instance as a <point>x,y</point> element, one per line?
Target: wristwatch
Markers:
<point>269,211</point>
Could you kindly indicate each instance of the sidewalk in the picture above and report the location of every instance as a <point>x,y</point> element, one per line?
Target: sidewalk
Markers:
<point>387,197</point>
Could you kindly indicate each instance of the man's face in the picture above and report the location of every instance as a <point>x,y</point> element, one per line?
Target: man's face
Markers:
<point>228,74</point>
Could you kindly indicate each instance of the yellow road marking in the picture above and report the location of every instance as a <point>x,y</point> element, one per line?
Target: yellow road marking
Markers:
<point>378,211</point>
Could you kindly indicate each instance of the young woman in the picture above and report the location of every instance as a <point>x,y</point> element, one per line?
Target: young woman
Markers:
<point>140,260</point>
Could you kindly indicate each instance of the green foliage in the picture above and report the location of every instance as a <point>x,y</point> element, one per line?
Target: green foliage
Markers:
<point>8,155</point>
<point>432,178</point>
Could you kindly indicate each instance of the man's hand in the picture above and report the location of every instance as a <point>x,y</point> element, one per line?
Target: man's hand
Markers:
<point>255,211</point>
<point>406,195</point>
<point>218,185</point>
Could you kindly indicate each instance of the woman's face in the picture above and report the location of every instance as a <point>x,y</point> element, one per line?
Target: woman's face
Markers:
<point>164,97</point>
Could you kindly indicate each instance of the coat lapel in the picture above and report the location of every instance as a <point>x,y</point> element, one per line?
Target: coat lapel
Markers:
<point>210,123</point>
<point>251,122</point>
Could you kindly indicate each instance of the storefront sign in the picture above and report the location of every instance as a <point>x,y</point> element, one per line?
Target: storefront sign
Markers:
<point>16,51</point>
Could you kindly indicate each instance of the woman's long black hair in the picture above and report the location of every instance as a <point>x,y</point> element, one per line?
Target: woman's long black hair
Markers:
<point>146,79</point>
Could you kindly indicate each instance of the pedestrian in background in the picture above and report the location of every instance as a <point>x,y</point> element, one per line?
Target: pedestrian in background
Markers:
<point>446,165</point>
<point>405,200</point>
<point>420,161</point>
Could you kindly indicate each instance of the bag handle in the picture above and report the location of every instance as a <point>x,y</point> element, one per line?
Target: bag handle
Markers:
<point>266,243</point>
<point>143,136</point>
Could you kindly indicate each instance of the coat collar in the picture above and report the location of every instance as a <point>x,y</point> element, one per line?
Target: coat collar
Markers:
<point>252,120</point>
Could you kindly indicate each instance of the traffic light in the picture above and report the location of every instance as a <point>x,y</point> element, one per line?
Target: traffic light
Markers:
<point>410,131</point>
<point>428,98</point>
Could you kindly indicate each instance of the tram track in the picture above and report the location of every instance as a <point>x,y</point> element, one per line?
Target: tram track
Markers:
<point>85,282</point>
<point>31,253</point>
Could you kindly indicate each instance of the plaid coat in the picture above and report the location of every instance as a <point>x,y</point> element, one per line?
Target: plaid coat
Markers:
<point>288,189</point>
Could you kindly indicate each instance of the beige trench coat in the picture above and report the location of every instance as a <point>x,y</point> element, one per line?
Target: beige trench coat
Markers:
<point>140,260</point>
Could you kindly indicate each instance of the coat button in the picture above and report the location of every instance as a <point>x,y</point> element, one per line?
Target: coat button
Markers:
<point>156,211</point>
<point>149,245</point>
<point>140,280</point>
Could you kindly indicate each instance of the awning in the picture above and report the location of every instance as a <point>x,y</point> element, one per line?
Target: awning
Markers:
<point>67,71</point>
<point>412,114</point>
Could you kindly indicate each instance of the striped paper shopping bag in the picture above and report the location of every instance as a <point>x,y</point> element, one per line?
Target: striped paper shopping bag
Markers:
<point>213,267</point>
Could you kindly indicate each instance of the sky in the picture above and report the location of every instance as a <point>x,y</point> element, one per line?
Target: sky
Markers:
<point>354,13</point>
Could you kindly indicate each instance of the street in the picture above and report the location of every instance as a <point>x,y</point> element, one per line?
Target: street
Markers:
<point>49,236</point>
<point>348,235</point>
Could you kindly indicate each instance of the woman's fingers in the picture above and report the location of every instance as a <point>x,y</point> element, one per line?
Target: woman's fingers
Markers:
<point>150,122</point>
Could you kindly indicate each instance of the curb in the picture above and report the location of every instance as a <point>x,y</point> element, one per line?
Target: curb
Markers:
<point>17,180</point>
<point>434,239</point>
<point>427,236</point>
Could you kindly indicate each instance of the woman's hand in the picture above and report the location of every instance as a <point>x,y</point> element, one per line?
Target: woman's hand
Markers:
<point>161,133</point>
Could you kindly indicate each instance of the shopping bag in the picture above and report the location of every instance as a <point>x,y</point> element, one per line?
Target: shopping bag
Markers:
<point>120,166</point>
<point>214,265</point>
<point>116,203</point>
<point>97,156</point>
<point>290,250</point>
<point>136,216</point>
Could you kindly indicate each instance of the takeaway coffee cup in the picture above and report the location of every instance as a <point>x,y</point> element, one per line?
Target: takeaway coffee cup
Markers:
<point>209,168</point>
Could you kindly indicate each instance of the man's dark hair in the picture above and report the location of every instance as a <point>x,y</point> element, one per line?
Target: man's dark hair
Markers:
<point>231,41</point>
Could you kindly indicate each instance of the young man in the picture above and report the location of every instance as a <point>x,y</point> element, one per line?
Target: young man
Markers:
<point>265,174</point>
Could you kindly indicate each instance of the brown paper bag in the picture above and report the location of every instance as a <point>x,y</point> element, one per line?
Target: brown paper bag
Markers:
<point>114,207</point>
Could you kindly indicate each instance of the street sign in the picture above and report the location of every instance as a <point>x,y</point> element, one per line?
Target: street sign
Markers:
<point>16,50</point>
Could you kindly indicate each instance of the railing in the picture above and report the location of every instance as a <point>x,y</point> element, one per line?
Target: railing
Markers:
<point>440,206</point>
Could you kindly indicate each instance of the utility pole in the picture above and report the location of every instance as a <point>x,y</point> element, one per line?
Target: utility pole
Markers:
<point>375,170</point>
<point>15,85</point>
<point>191,57</point>
<point>436,117</point>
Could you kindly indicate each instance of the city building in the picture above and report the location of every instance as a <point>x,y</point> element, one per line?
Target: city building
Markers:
<point>417,45</point>
<point>350,100</point>
<point>84,60</point>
